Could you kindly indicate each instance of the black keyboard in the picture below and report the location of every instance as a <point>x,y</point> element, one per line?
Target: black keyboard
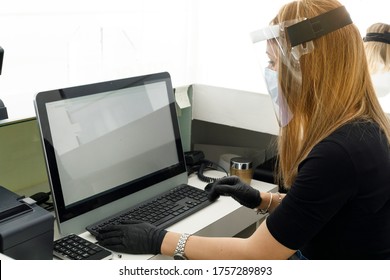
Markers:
<point>74,247</point>
<point>161,211</point>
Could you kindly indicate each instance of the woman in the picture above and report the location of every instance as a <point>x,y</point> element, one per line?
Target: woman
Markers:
<point>333,153</point>
<point>377,46</point>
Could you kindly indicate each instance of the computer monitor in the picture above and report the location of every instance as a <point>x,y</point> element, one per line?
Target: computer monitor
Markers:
<point>21,153</point>
<point>109,146</point>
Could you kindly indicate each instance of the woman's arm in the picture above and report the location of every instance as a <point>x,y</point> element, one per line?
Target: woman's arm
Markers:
<point>274,198</point>
<point>261,245</point>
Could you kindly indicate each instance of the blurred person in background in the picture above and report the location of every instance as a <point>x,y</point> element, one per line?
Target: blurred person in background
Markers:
<point>377,46</point>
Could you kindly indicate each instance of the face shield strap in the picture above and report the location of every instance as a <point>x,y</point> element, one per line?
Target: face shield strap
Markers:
<point>377,37</point>
<point>313,28</point>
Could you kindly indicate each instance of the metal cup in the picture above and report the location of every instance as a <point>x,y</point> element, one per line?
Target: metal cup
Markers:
<point>241,167</point>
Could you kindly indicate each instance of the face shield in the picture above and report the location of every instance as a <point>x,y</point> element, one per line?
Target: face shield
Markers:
<point>280,48</point>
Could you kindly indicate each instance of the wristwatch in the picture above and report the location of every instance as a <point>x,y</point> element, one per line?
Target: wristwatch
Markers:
<point>179,251</point>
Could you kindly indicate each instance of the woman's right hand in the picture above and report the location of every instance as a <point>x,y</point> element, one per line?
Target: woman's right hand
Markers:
<point>238,190</point>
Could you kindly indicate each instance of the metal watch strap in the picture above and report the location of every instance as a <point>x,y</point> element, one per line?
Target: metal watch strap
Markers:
<point>181,245</point>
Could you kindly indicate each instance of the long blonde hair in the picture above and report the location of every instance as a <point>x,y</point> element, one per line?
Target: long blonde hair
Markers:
<point>378,53</point>
<point>336,89</point>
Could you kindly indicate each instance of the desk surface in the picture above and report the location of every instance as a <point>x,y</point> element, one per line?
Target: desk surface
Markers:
<point>224,218</point>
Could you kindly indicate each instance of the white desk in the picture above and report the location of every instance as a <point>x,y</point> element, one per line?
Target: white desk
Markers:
<point>225,217</point>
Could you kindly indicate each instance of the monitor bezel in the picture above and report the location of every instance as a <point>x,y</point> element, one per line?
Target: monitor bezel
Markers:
<point>65,213</point>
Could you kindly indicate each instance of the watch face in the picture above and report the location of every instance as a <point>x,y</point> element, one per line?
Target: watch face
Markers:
<point>179,257</point>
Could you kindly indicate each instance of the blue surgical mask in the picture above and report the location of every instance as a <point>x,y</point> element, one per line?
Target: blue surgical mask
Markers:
<point>271,79</point>
<point>282,111</point>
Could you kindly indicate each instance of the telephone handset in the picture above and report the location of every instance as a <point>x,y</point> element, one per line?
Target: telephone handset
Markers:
<point>196,162</point>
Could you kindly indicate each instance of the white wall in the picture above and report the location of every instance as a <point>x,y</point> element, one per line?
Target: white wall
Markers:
<point>56,43</point>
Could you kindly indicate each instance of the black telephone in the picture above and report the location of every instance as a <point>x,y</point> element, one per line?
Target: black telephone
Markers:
<point>196,162</point>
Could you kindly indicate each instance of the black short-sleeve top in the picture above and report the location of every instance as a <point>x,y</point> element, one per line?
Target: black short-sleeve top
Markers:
<point>339,205</point>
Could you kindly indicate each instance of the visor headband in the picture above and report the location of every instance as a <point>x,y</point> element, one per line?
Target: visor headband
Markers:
<point>313,28</point>
<point>377,37</point>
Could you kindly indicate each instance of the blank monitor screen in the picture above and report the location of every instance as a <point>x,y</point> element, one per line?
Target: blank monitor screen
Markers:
<point>109,146</point>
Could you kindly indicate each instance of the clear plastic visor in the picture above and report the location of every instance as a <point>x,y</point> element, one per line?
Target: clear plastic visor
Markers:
<point>276,60</point>
<point>280,48</point>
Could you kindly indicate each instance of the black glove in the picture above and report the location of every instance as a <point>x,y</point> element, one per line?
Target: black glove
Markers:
<point>133,237</point>
<point>234,187</point>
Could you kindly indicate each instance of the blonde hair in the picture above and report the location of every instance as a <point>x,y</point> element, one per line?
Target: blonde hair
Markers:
<point>378,53</point>
<point>336,88</point>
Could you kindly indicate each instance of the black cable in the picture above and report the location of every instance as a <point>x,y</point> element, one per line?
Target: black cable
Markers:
<point>209,165</point>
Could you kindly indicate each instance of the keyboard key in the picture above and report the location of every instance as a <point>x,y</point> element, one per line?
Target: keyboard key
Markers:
<point>74,247</point>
